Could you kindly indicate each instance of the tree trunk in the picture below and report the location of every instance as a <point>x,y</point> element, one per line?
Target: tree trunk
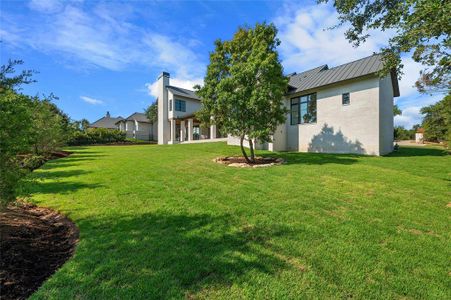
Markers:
<point>251,148</point>
<point>242,149</point>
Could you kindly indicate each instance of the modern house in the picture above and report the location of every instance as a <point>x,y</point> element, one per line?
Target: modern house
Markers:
<point>176,120</point>
<point>137,126</point>
<point>344,109</point>
<point>106,122</point>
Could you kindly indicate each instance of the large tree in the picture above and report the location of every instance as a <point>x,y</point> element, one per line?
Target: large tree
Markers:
<point>244,86</point>
<point>420,27</point>
<point>15,128</point>
<point>152,112</point>
<point>437,121</point>
<point>28,125</point>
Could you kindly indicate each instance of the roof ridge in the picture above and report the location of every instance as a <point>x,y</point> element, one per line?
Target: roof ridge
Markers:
<point>351,62</point>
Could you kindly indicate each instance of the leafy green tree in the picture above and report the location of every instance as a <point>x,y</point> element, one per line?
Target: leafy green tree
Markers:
<point>84,123</point>
<point>396,110</point>
<point>421,27</point>
<point>15,129</point>
<point>51,126</point>
<point>152,112</point>
<point>244,86</point>
<point>27,125</point>
<point>402,134</point>
<point>437,120</point>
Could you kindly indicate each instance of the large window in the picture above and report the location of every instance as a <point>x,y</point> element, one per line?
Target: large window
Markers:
<point>303,109</point>
<point>180,105</point>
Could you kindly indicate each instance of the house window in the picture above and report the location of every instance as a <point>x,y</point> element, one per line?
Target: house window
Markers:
<point>345,100</point>
<point>303,109</point>
<point>180,105</point>
<point>170,105</point>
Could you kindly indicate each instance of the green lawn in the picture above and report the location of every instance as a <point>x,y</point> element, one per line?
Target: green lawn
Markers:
<point>167,222</point>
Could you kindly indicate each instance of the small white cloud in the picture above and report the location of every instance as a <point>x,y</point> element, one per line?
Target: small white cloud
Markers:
<point>92,101</point>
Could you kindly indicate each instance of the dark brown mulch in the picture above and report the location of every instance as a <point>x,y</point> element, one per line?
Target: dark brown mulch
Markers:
<point>34,243</point>
<point>240,161</point>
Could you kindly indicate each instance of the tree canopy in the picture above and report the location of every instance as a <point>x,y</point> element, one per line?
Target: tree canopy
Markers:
<point>437,121</point>
<point>152,112</point>
<point>28,125</point>
<point>244,86</point>
<point>421,27</point>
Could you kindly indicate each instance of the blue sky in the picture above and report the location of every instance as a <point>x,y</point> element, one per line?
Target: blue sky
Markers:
<point>99,56</point>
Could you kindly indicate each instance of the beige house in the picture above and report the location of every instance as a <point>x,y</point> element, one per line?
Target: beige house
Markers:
<point>107,122</point>
<point>344,109</point>
<point>137,126</point>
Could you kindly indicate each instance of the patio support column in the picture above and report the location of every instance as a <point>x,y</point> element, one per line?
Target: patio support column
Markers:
<point>212,130</point>
<point>190,129</point>
<point>182,131</point>
<point>172,131</point>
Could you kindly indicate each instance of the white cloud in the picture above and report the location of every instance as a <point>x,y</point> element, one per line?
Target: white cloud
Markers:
<point>307,43</point>
<point>46,6</point>
<point>103,36</point>
<point>152,88</point>
<point>172,54</point>
<point>410,116</point>
<point>92,101</point>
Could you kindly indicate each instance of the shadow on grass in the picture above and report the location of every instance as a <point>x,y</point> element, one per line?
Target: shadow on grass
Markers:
<point>65,187</point>
<point>417,151</point>
<point>316,158</point>
<point>165,256</point>
<point>58,174</point>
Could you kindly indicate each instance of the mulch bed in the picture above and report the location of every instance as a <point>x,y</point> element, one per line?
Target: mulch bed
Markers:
<point>240,162</point>
<point>34,243</point>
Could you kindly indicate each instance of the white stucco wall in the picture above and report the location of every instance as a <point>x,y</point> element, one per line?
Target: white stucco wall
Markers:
<point>192,106</point>
<point>386,134</point>
<point>163,124</point>
<point>352,128</point>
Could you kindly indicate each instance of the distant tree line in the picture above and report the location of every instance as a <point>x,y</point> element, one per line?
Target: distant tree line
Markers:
<point>436,123</point>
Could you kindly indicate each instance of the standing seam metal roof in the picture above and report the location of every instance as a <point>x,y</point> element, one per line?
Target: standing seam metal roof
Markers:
<point>322,75</point>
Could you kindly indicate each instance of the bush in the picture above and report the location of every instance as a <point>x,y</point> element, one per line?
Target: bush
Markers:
<point>94,136</point>
<point>31,162</point>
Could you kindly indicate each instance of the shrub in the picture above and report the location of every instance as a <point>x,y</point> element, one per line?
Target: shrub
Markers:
<point>94,136</point>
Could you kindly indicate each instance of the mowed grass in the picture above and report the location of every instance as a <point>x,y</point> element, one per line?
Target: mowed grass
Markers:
<point>160,222</point>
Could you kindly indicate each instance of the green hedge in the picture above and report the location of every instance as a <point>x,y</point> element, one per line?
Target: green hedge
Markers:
<point>96,136</point>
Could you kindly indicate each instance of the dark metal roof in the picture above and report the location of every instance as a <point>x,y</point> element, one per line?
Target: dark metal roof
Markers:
<point>182,92</point>
<point>106,122</point>
<point>322,75</point>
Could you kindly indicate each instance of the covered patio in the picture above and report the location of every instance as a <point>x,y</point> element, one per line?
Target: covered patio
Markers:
<point>189,129</point>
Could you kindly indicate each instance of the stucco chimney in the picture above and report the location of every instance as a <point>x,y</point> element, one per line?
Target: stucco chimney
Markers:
<point>163,122</point>
<point>107,114</point>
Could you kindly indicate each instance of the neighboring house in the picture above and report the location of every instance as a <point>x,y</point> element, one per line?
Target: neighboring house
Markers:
<point>137,126</point>
<point>106,122</point>
<point>419,136</point>
<point>345,109</point>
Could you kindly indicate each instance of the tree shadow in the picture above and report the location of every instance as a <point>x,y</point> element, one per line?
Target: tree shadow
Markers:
<point>166,255</point>
<point>329,141</point>
<point>30,187</point>
<point>57,174</point>
<point>410,151</point>
<point>316,158</point>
